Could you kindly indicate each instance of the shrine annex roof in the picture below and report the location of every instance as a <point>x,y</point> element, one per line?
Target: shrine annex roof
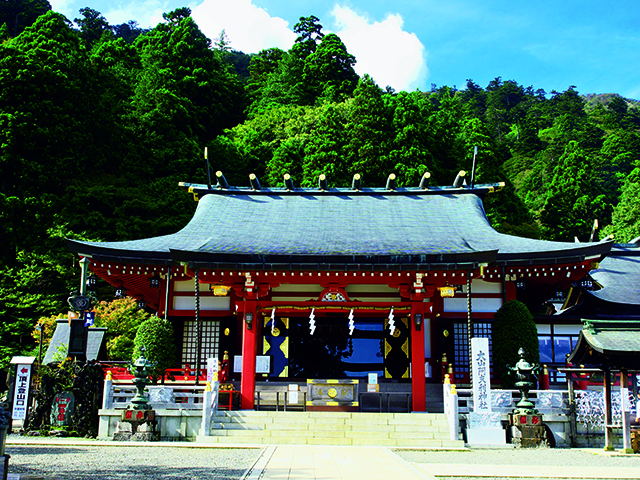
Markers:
<point>339,228</point>
<point>608,343</point>
<point>619,276</point>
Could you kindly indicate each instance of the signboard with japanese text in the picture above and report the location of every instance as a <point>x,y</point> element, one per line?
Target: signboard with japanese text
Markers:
<point>263,363</point>
<point>481,375</point>
<point>21,392</point>
<point>62,408</point>
<point>213,366</point>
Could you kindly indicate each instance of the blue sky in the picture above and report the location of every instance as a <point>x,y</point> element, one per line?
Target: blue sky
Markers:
<point>411,44</point>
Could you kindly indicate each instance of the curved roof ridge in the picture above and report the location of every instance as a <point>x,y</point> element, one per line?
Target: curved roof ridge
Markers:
<point>369,227</point>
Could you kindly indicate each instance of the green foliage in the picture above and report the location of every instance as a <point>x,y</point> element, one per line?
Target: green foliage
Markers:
<point>155,335</point>
<point>575,199</point>
<point>19,14</point>
<point>122,318</point>
<point>625,223</point>
<point>92,25</point>
<point>35,284</point>
<point>513,328</point>
<point>84,380</point>
<point>99,124</point>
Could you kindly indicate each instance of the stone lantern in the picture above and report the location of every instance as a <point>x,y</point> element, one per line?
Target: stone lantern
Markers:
<point>526,424</point>
<point>138,421</point>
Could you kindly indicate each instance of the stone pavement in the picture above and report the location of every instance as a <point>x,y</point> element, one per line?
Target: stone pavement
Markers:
<point>332,463</point>
<point>526,471</point>
<point>337,463</point>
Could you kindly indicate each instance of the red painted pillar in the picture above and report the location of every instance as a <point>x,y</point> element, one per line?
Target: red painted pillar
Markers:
<point>249,343</point>
<point>417,359</point>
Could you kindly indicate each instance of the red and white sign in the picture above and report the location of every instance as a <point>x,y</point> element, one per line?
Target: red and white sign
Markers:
<point>21,392</point>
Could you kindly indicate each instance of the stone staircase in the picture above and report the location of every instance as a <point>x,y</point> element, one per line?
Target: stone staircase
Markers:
<point>426,430</point>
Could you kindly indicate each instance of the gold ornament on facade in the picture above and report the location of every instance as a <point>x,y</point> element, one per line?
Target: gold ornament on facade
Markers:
<point>447,291</point>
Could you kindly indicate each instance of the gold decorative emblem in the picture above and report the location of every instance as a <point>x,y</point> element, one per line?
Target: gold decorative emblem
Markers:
<point>447,291</point>
<point>275,332</point>
<point>396,332</point>
<point>334,297</point>
<point>220,290</point>
<point>332,392</point>
<point>227,332</point>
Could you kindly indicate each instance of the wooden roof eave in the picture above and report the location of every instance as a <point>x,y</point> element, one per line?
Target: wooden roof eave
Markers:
<point>588,352</point>
<point>574,255</point>
<point>441,261</point>
<point>104,254</point>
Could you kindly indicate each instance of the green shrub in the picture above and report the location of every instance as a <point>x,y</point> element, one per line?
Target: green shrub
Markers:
<point>513,328</point>
<point>156,336</point>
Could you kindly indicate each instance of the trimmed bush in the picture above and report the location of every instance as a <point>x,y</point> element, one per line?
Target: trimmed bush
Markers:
<point>513,328</point>
<point>156,336</point>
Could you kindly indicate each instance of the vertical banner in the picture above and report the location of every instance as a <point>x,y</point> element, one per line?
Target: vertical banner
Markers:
<point>481,375</point>
<point>21,392</point>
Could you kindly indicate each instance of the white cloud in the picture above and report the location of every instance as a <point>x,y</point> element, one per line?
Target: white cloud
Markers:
<point>64,7</point>
<point>390,55</point>
<point>147,13</point>
<point>249,28</point>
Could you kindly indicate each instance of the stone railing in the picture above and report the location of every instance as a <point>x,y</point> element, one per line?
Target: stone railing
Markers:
<point>118,396</point>
<point>503,401</point>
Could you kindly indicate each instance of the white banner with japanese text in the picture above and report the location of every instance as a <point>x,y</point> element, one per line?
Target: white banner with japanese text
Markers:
<point>481,375</point>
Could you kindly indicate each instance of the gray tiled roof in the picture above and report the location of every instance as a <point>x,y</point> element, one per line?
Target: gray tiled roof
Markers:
<point>59,345</point>
<point>270,225</point>
<point>619,277</point>
<point>613,336</point>
<point>608,343</point>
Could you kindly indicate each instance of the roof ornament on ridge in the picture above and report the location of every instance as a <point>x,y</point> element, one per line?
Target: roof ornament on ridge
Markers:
<point>255,183</point>
<point>457,183</point>
<point>424,181</point>
<point>322,182</point>
<point>222,182</point>
<point>288,182</point>
<point>391,182</point>
<point>356,184</point>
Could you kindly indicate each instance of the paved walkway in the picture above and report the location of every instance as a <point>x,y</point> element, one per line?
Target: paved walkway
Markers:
<point>337,463</point>
<point>332,463</point>
<point>527,471</point>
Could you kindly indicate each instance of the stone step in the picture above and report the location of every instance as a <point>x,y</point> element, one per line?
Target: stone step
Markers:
<point>315,418</point>
<point>332,428</point>
<point>420,443</point>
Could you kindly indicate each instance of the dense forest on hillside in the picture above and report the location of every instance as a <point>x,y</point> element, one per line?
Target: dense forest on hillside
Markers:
<point>99,123</point>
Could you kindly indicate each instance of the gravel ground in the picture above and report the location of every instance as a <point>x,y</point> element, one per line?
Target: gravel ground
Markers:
<point>125,462</point>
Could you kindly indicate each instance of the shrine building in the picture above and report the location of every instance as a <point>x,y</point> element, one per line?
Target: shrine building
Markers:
<point>336,283</point>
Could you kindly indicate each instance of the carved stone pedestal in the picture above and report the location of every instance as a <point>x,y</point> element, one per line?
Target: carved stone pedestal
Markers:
<point>137,426</point>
